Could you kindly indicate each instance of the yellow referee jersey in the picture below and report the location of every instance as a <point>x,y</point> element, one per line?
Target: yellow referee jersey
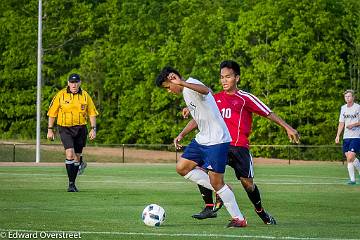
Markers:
<point>72,109</point>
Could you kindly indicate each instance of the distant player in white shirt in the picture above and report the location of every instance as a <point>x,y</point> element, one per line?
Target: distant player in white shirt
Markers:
<point>350,121</point>
<point>210,147</point>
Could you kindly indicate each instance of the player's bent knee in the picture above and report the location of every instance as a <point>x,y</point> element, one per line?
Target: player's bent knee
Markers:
<point>350,156</point>
<point>184,166</point>
<point>350,159</point>
<point>182,169</point>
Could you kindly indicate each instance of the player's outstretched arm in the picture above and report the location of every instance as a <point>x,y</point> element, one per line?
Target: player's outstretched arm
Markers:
<point>291,132</point>
<point>197,87</point>
<point>188,128</point>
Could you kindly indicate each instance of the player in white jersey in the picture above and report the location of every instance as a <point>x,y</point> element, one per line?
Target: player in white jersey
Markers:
<point>210,146</point>
<point>350,121</point>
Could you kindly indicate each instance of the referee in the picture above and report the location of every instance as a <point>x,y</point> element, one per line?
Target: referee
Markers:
<point>72,106</point>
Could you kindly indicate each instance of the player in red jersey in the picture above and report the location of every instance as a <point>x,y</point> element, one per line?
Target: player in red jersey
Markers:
<point>237,107</point>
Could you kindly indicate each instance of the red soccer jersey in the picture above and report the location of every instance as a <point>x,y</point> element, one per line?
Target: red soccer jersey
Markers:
<point>237,109</point>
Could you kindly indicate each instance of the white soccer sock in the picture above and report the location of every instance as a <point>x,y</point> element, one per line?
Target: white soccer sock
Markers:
<point>230,203</point>
<point>356,164</point>
<point>351,170</point>
<point>200,177</point>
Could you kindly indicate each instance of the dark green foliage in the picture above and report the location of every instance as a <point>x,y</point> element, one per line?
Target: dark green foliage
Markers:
<point>296,56</point>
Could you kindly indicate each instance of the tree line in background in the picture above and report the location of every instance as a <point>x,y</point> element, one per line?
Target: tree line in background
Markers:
<point>296,56</point>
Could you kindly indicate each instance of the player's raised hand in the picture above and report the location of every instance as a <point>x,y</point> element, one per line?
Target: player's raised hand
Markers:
<point>175,79</point>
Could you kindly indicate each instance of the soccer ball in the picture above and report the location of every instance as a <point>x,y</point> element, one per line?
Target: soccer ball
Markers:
<point>153,215</point>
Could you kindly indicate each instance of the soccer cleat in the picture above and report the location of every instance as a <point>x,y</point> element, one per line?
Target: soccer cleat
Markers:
<point>205,213</point>
<point>82,167</point>
<point>218,203</point>
<point>266,217</point>
<point>235,222</point>
<point>351,182</point>
<point>72,188</point>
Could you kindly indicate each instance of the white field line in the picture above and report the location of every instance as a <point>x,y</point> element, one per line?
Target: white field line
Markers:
<point>334,181</point>
<point>33,174</point>
<point>109,176</point>
<point>300,176</point>
<point>2,231</point>
<point>262,183</point>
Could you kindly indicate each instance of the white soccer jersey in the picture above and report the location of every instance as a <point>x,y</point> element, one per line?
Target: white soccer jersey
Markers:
<point>203,109</point>
<point>350,115</point>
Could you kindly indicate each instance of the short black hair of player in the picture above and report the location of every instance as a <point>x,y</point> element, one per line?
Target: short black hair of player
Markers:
<point>232,65</point>
<point>164,74</point>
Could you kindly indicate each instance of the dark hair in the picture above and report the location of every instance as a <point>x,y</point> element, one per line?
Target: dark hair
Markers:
<point>164,74</point>
<point>232,65</point>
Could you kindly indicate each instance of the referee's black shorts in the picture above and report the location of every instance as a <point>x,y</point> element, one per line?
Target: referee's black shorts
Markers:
<point>240,159</point>
<point>73,137</point>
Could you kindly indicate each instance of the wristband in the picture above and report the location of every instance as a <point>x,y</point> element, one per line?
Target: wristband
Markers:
<point>93,128</point>
<point>51,128</point>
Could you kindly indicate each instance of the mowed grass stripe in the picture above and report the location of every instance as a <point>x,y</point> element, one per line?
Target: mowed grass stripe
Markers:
<point>262,182</point>
<point>284,179</point>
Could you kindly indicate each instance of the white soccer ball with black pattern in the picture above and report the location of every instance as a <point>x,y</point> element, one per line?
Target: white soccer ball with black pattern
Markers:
<point>153,215</point>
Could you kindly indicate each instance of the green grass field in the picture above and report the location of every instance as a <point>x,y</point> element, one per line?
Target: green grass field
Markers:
<point>308,201</point>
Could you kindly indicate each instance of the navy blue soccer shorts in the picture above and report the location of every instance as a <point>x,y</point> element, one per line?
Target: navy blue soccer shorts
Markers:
<point>351,145</point>
<point>213,157</point>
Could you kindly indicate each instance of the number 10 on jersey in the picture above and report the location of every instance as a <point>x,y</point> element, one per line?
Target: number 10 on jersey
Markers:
<point>226,112</point>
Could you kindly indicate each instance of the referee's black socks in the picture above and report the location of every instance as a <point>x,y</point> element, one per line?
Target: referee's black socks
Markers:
<point>72,168</point>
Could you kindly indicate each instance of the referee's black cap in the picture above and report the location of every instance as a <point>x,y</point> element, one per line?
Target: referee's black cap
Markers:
<point>74,77</point>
